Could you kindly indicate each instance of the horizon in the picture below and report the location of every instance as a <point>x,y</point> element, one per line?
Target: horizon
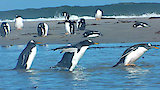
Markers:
<point>37,4</point>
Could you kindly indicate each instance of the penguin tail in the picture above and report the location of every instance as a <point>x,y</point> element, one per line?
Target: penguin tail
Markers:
<point>121,61</point>
<point>116,65</point>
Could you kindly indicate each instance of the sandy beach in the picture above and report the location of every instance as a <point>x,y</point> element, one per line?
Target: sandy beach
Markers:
<point>113,30</point>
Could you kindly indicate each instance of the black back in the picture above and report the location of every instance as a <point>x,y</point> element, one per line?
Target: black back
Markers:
<point>89,32</point>
<point>81,24</point>
<point>66,61</point>
<point>4,30</point>
<point>23,57</point>
<point>41,27</point>
<point>72,28</point>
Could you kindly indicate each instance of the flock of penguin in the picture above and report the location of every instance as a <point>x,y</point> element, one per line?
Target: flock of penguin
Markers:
<point>73,53</point>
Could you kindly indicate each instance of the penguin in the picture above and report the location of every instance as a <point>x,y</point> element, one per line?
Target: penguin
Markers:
<point>5,29</point>
<point>92,34</point>
<point>26,57</point>
<point>66,15</point>
<point>19,22</point>
<point>133,53</point>
<point>98,14</point>
<point>81,24</point>
<point>140,25</point>
<point>42,29</point>
<point>72,54</point>
<point>69,27</point>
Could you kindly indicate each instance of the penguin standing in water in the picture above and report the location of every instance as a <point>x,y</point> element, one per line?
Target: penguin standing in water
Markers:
<point>72,54</point>
<point>98,14</point>
<point>27,55</point>
<point>140,25</point>
<point>42,29</point>
<point>5,29</point>
<point>18,22</point>
<point>81,24</point>
<point>69,27</point>
<point>133,53</point>
<point>66,15</point>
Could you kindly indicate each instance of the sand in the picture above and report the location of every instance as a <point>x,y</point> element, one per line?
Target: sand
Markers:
<point>113,30</point>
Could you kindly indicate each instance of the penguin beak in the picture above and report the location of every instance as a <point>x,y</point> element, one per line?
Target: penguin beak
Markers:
<point>155,47</point>
<point>96,43</point>
<point>38,43</point>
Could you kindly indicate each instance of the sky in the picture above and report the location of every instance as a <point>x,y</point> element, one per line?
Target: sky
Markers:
<point>23,4</point>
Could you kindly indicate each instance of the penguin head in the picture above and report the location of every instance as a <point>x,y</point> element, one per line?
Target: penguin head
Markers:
<point>64,13</point>
<point>4,24</point>
<point>98,11</point>
<point>41,25</point>
<point>82,20</point>
<point>32,43</point>
<point>149,46</point>
<point>87,43</point>
<point>18,16</point>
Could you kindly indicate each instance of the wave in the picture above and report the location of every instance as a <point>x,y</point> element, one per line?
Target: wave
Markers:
<point>147,15</point>
<point>74,17</point>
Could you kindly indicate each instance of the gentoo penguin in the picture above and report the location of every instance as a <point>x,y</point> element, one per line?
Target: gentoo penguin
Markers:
<point>92,34</point>
<point>140,25</point>
<point>5,29</point>
<point>81,24</point>
<point>27,55</point>
<point>72,54</point>
<point>133,53</point>
<point>69,27</point>
<point>19,22</point>
<point>42,29</point>
<point>66,15</point>
<point>98,14</point>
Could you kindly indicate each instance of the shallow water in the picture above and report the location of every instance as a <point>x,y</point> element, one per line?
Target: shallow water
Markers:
<point>94,70</point>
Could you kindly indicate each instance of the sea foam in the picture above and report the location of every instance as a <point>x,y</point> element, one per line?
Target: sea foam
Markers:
<point>74,17</point>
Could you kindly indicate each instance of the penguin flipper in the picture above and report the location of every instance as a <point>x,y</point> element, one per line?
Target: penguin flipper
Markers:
<point>22,60</point>
<point>66,61</point>
<point>67,49</point>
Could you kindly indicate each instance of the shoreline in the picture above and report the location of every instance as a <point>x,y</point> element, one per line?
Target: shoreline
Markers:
<point>113,30</point>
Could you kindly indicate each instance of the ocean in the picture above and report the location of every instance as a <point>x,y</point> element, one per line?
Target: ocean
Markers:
<point>93,72</point>
<point>121,10</point>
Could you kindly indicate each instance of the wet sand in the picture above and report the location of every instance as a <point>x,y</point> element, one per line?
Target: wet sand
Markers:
<point>113,30</point>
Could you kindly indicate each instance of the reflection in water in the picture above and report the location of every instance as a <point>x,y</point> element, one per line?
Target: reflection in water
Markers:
<point>135,73</point>
<point>33,77</point>
<point>79,75</point>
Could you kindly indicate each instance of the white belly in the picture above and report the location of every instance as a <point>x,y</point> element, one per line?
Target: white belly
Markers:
<point>133,56</point>
<point>94,35</point>
<point>67,27</point>
<point>19,23</point>
<point>77,56</point>
<point>98,14</point>
<point>46,29</point>
<point>31,57</point>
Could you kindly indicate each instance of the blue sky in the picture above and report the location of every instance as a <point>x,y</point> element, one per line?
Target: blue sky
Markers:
<point>23,4</point>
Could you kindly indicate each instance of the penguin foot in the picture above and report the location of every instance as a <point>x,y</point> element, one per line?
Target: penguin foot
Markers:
<point>19,28</point>
<point>44,36</point>
<point>66,33</point>
<point>130,65</point>
<point>98,18</point>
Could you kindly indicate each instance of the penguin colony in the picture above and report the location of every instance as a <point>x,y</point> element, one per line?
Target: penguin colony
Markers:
<point>73,53</point>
